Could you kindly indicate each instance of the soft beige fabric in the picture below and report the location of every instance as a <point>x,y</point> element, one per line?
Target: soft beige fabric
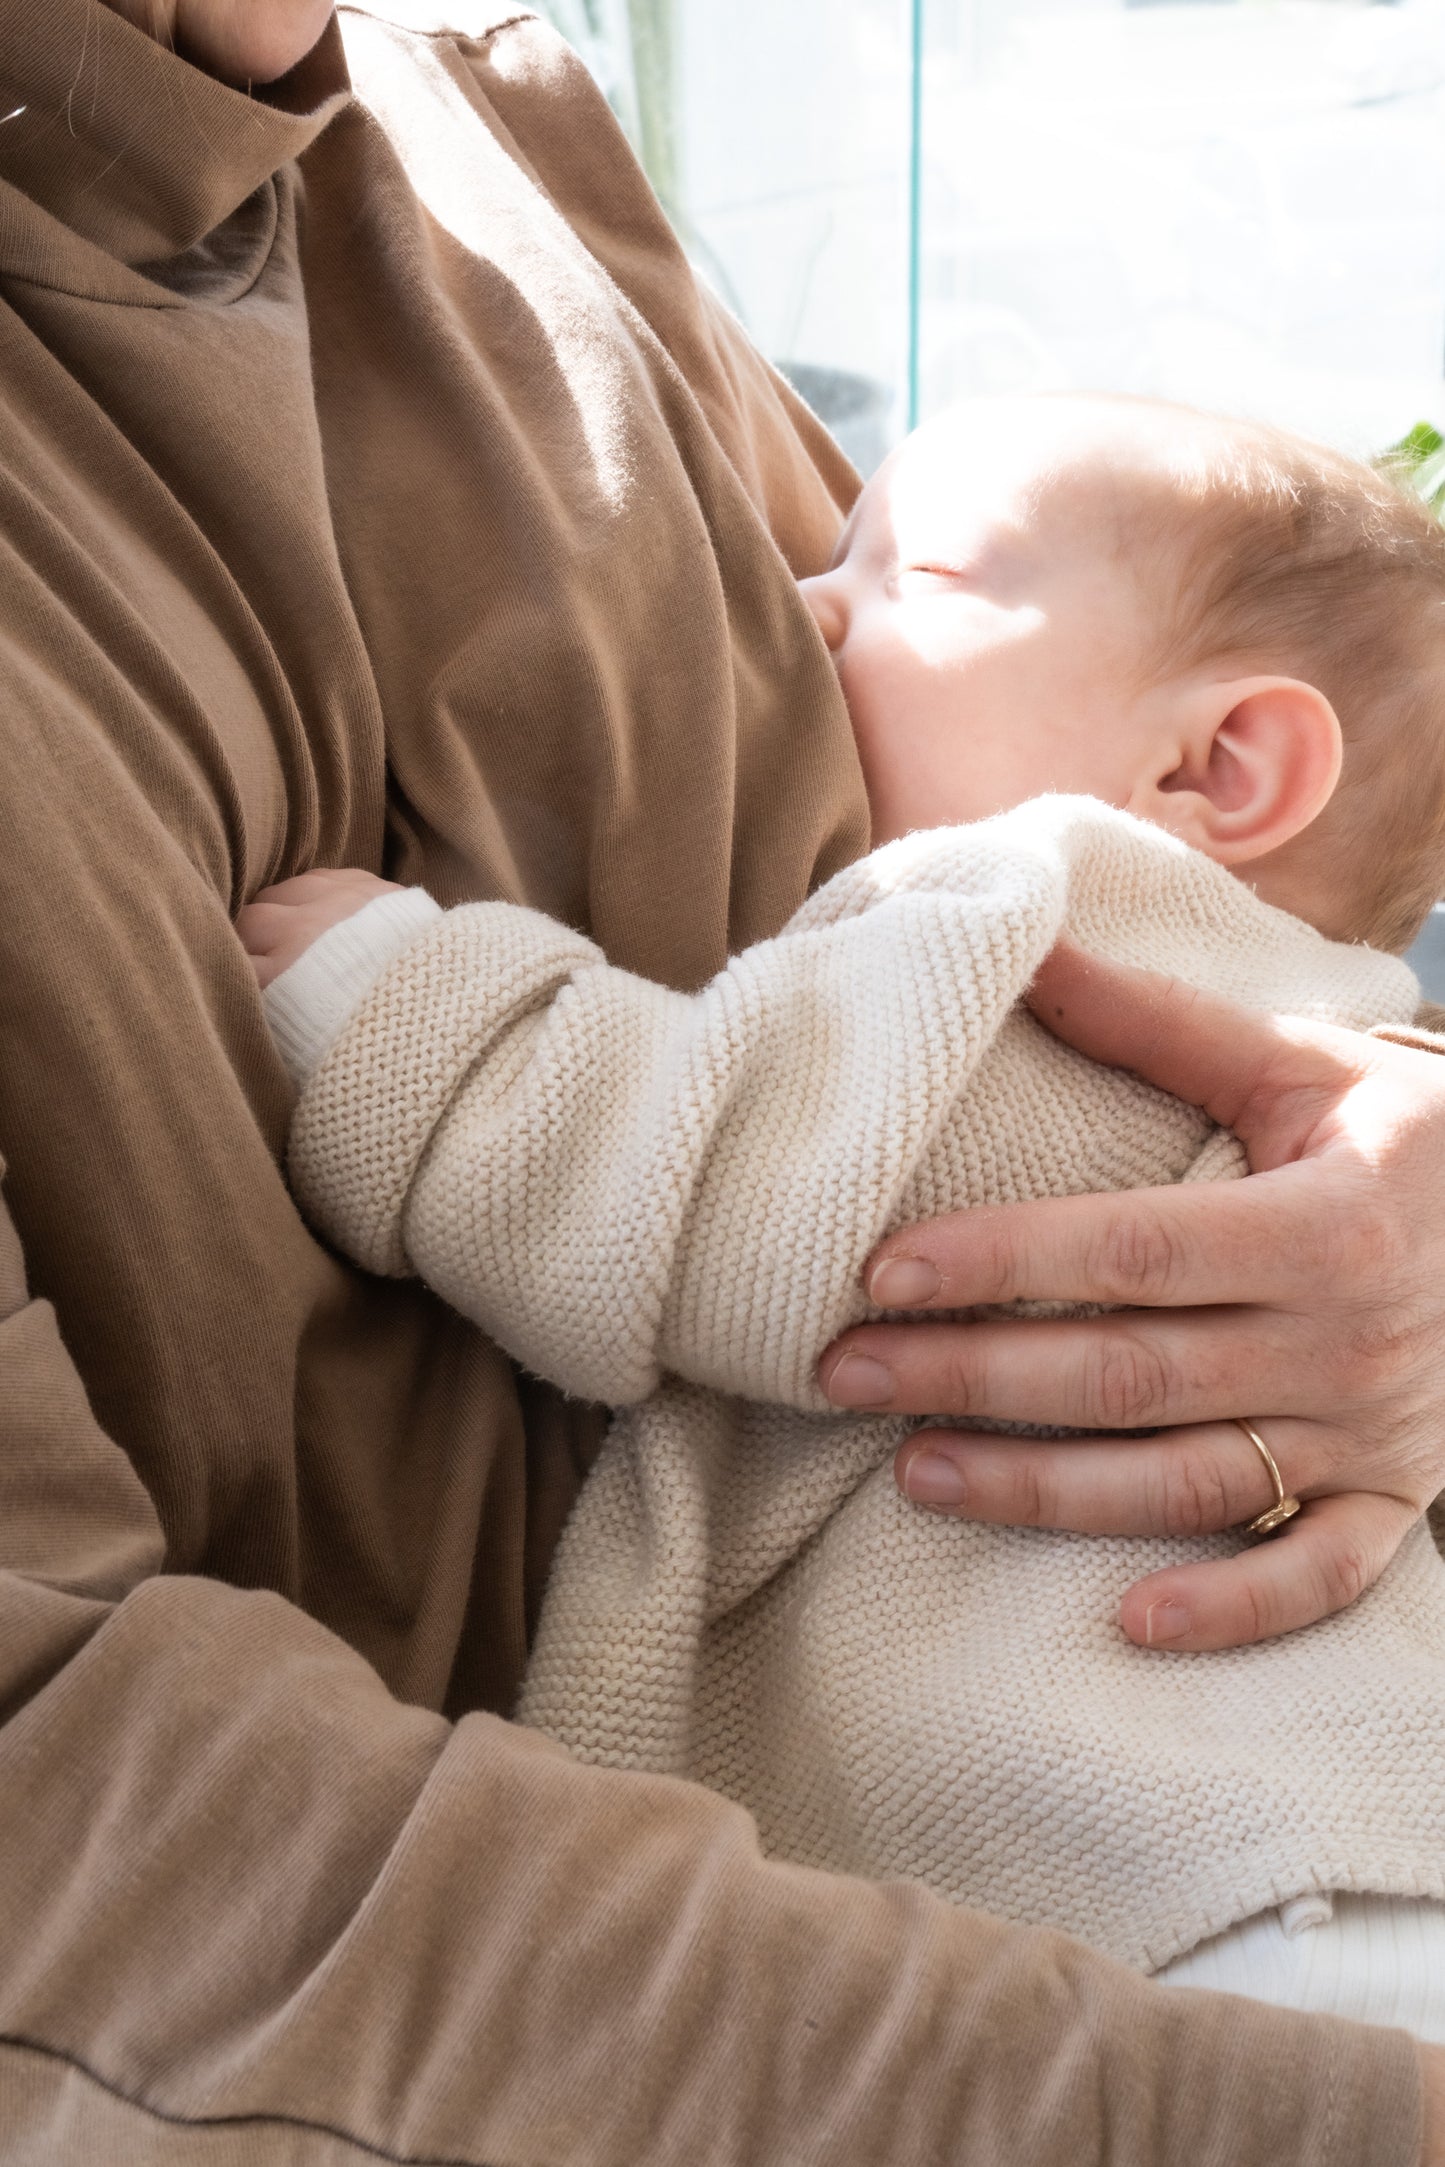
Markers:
<point>665,1201</point>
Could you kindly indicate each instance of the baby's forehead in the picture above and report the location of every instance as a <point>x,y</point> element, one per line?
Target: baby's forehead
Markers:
<point>1064,472</point>
<point>1113,481</point>
<point>1029,448</point>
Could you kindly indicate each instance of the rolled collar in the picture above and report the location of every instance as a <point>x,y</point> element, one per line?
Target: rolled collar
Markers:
<point>113,151</point>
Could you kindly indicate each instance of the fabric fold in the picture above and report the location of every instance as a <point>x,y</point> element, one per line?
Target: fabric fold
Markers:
<point>128,149</point>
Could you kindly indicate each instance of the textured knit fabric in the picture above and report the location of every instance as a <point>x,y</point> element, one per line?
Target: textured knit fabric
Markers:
<point>308,1004</point>
<point>666,1201</point>
<point>378,488</point>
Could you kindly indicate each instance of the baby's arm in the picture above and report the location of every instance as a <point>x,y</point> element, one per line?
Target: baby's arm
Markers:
<point>329,934</point>
<point>616,1179</point>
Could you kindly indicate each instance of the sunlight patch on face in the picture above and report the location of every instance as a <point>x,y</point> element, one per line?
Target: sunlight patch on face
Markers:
<point>955,501</point>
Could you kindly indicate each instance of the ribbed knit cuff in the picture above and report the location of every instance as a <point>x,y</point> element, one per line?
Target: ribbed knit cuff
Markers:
<point>310,1004</point>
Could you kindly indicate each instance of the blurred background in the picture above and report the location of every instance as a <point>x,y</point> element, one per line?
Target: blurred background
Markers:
<point>1239,203</point>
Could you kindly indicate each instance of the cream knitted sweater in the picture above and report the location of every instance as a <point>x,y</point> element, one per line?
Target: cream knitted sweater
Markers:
<point>663,1201</point>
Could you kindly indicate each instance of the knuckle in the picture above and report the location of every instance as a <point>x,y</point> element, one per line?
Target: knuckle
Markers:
<point>1260,1611</point>
<point>992,1266</point>
<point>1129,1387</point>
<point>1361,1250</point>
<point>1136,1257</point>
<point>1380,1349</point>
<point>1344,1574</point>
<point>1377,1246</point>
<point>955,1382</point>
<point>1417,1468</point>
<point>1032,1501</point>
<point>1356,1245</point>
<point>1197,1498</point>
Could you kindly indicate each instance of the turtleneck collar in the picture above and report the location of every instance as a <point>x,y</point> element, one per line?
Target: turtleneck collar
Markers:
<point>115,154</point>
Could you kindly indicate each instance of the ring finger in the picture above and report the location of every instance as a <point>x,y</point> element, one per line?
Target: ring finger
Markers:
<point>1190,1481</point>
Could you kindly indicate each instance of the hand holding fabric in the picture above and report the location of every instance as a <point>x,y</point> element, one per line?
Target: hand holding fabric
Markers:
<point>1310,1299</point>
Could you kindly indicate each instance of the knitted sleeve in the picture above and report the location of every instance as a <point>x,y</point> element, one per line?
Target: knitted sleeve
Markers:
<point>615,1179</point>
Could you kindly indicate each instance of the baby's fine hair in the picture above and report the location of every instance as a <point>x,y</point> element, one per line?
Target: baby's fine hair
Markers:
<point>1293,558</point>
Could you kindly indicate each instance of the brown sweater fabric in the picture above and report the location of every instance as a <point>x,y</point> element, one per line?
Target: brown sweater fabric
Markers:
<point>379,488</point>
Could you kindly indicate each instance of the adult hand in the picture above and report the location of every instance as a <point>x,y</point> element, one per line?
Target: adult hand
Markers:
<point>282,922</point>
<point>1309,1298</point>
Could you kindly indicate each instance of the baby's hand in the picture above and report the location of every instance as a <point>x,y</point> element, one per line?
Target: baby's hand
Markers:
<point>283,921</point>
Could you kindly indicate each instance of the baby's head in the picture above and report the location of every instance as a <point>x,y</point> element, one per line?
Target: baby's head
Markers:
<point>1223,628</point>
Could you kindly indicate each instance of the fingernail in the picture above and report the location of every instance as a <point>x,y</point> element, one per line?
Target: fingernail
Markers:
<point>1164,1622</point>
<point>903,1283</point>
<point>859,1381</point>
<point>930,1479</point>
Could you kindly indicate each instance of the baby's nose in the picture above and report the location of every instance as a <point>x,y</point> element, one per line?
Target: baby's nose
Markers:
<point>826,603</point>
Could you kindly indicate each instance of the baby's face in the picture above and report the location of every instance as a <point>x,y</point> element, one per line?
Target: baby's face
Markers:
<point>987,619</point>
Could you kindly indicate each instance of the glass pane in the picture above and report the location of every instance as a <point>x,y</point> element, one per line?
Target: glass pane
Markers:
<point>776,133</point>
<point>793,152</point>
<point>1241,205</point>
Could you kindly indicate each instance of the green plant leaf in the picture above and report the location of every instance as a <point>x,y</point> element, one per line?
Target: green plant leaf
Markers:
<point>1418,463</point>
<point>1423,442</point>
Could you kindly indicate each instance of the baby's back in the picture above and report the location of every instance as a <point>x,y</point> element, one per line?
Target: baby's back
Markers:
<point>744,1598</point>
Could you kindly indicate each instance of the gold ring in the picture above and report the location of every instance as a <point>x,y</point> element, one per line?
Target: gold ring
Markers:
<point>1284,1508</point>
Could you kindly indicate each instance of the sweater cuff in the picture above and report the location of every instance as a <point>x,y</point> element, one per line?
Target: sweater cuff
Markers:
<point>312,1001</point>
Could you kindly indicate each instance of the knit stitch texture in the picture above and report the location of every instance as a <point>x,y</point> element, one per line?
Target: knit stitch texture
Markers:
<point>664,1201</point>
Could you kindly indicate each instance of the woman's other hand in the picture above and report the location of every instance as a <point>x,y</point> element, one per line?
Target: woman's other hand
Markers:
<point>1309,1299</point>
<point>282,922</point>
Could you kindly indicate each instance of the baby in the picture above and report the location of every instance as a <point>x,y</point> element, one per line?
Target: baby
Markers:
<point>1222,651</point>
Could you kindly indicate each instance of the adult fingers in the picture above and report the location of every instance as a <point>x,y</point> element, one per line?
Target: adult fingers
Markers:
<point>1336,1548</point>
<point>1139,1369</point>
<point>1275,1239</point>
<point>1263,1077</point>
<point>1192,1481</point>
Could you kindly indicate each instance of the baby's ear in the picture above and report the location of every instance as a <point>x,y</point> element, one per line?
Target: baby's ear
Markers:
<point>1259,758</point>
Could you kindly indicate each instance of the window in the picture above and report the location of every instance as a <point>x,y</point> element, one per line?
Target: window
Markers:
<point>1240,203</point>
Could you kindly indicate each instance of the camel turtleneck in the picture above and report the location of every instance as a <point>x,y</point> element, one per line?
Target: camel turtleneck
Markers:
<point>116,154</point>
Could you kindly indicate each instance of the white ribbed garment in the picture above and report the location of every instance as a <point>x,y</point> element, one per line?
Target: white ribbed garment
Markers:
<point>664,1201</point>
<point>1378,1960</point>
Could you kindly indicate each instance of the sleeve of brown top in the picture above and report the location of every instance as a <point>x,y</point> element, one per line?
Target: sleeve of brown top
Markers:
<point>248,1895</point>
<point>375,489</point>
